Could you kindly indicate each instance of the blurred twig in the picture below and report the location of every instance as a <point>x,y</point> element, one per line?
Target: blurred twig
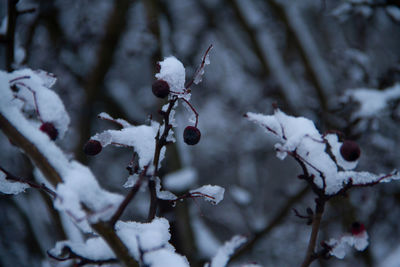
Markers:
<point>276,221</point>
<point>114,29</point>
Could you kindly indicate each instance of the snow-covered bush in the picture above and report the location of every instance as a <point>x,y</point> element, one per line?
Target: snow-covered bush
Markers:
<point>27,102</point>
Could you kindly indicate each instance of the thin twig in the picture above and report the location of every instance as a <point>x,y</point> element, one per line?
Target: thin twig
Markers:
<point>129,197</point>
<point>82,260</point>
<point>193,109</point>
<point>200,68</point>
<point>316,222</point>
<point>10,33</point>
<point>11,177</point>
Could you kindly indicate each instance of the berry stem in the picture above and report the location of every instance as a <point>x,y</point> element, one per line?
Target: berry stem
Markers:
<point>32,184</point>
<point>193,109</point>
<point>20,78</point>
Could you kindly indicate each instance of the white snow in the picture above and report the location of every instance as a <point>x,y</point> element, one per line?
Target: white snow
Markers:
<point>340,246</point>
<point>164,258</point>
<point>9,187</point>
<point>212,193</point>
<point>37,85</point>
<point>372,101</point>
<point>164,195</point>
<point>149,240</point>
<point>240,195</point>
<point>173,72</point>
<point>153,240</point>
<point>131,180</point>
<point>94,248</point>
<point>394,12</point>
<point>299,135</point>
<point>141,138</point>
<point>181,180</point>
<point>106,116</point>
<point>81,187</point>
<point>223,254</point>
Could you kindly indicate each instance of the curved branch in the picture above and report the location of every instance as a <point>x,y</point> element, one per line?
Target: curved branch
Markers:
<point>102,228</point>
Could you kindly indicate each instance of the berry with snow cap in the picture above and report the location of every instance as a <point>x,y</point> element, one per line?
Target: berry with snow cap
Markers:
<point>160,88</point>
<point>191,135</point>
<point>350,150</point>
<point>50,130</point>
<point>92,147</point>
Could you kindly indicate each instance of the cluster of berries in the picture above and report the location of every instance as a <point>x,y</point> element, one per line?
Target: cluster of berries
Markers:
<point>191,134</point>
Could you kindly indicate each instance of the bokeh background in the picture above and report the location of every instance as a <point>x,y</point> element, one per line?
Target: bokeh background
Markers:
<point>301,55</point>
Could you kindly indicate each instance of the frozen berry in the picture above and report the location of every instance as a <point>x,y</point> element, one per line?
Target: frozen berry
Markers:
<point>350,150</point>
<point>50,130</point>
<point>92,147</point>
<point>357,228</point>
<point>191,135</point>
<point>160,88</point>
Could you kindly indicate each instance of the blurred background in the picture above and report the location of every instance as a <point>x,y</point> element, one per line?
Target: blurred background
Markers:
<point>301,55</point>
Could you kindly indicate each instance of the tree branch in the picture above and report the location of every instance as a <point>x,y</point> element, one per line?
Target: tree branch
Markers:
<point>51,174</point>
<point>128,197</point>
<point>319,209</point>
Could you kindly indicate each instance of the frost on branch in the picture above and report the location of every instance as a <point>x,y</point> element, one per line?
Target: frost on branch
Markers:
<point>211,193</point>
<point>9,187</point>
<point>140,138</point>
<point>198,76</point>
<point>318,154</point>
<point>224,253</point>
<point>164,195</point>
<point>147,242</point>
<point>372,101</point>
<point>80,192</point>
<point>338,247</point>
<point>32,94</point>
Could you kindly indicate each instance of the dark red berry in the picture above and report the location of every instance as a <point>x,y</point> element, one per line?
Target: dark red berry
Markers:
<point>191,135</point>
<point>50,130</point>
<point>357,228</point>
<point>160,88</point>
<point>92,147</point>
<point>350,150</point>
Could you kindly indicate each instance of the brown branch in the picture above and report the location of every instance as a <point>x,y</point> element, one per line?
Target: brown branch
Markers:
<point>129,197</point>
<point>110,236</point>
<point>10,33</point>
<point>51,174</point>
<point>316,222</point>
<point>11,177</point>
<point>31,150</point>
<point>93,87</point>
